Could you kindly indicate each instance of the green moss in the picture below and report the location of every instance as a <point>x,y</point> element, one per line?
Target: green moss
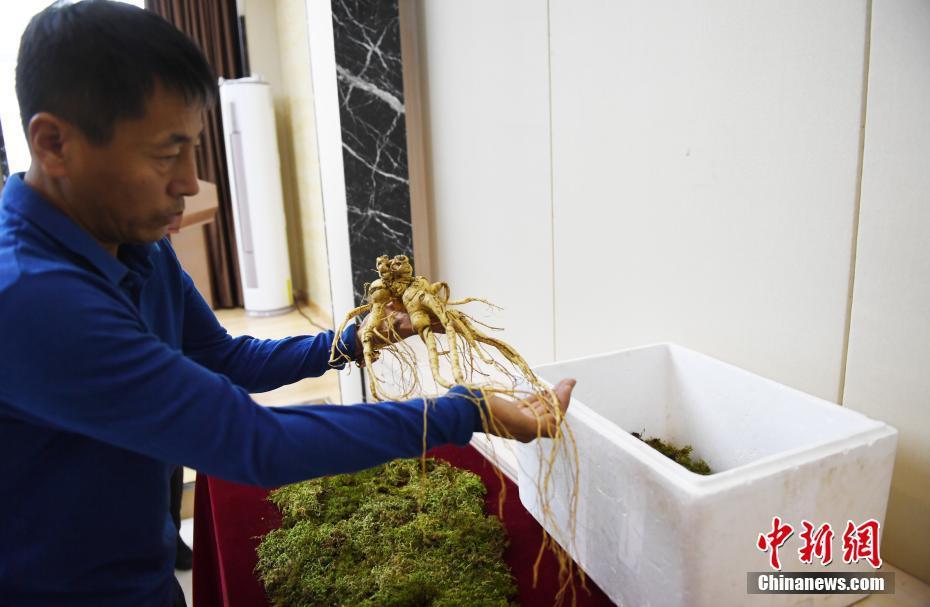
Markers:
<point>681,456</point>
<point>386,537</point>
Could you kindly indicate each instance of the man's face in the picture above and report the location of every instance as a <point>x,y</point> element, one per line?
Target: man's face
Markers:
<point>132,189</point>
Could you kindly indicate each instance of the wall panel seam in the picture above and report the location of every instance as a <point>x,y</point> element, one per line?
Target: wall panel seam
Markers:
<point>551,175</point>
<point>858,202</point>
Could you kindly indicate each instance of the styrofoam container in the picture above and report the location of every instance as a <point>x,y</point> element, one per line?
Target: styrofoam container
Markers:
<point>650,532</point>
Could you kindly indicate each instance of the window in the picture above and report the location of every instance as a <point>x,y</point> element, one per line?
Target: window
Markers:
<point>14,17</point>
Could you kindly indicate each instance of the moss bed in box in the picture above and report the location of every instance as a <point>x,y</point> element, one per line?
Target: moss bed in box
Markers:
<point>386,537</point>
<point>681,456</point>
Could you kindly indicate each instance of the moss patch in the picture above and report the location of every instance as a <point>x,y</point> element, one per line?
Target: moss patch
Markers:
<point>388,536</point>
<point>681,455</point>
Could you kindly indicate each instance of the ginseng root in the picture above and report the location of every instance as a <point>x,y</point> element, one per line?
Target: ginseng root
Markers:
<point>468,350</point>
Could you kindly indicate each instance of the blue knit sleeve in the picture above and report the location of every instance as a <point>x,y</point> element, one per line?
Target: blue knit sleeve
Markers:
<point>85,364</point>
<point>257,365</point>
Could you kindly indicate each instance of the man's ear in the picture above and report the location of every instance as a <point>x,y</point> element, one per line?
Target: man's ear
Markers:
<point>49,138</point>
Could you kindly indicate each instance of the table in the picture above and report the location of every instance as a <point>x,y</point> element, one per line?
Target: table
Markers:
<point>230,518</point>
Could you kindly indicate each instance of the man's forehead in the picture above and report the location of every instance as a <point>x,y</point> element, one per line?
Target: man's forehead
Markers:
<point>168,115</point>
<point>171,122</point>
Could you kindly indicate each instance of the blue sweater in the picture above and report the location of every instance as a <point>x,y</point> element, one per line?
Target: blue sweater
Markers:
<point>112,371</point>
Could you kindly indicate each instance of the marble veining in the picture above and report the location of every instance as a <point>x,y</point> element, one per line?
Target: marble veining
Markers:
<point>371,108</point>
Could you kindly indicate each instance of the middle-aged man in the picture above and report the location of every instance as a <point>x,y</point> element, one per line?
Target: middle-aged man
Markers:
<point>112,367</point>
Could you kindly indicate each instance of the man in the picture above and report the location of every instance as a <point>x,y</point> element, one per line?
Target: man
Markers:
<point>112,368</point>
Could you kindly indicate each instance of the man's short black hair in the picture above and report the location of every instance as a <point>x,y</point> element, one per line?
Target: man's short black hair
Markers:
<point>95,62</point>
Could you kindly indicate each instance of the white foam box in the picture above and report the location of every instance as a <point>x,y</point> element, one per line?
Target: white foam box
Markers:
<point>650,532</point>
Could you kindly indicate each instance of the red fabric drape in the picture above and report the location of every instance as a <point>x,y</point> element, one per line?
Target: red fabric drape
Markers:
<point>213,26</point>
<point>230,520</point>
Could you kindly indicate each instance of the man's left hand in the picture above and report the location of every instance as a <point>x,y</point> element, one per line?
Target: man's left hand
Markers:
<point>395,326</point>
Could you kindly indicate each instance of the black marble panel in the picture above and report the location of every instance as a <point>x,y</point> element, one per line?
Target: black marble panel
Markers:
<point>374,144</point>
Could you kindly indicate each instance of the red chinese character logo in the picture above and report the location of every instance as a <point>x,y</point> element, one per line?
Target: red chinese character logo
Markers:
<point>862,543</point>
<point>774,540</point>
<point>819,543</point>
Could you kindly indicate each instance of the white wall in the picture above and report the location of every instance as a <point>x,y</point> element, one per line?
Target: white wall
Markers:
<point>692,171</point>
<point>261,26</point>
<point>889,342</point>
<point>279,51</point>
<point>332,174</point>
<point>486,107</point>
<point>705,159</point>
<point>16,16</point>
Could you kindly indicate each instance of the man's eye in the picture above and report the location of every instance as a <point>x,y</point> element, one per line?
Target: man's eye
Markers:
<point>171,157</point>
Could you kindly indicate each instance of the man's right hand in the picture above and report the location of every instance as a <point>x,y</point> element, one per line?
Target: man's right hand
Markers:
<point>525,420</point>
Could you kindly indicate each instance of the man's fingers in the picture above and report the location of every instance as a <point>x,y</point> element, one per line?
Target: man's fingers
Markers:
<point>547,422</point>
<point>532,417</point>
<point>563,390</point>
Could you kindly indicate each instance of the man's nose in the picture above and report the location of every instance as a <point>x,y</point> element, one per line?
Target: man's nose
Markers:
<point>185,180</point>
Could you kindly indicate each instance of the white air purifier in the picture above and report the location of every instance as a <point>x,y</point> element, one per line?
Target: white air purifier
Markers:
<point>257,199</point>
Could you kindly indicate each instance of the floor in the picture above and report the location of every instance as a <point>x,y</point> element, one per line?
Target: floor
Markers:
<point>186,577</point>
<point>908,592</point>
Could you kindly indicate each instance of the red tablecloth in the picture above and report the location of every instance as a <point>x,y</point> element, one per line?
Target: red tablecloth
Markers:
<point>230,519</point>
